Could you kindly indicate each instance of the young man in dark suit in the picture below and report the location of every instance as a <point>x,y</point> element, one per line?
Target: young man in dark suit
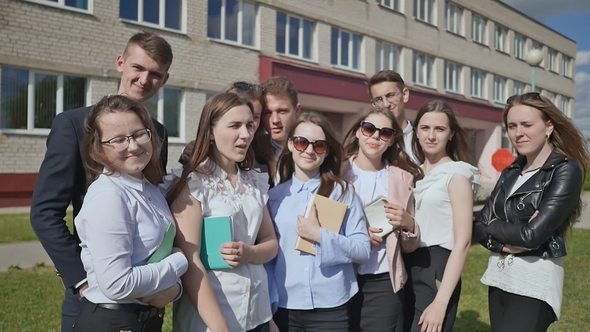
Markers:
<point>62,177</point>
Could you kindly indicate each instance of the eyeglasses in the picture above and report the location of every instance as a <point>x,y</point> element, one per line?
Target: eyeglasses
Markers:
<point>526,96</point>
<point>241,87</point>
<point>121,143</point>
<point>301,143</point>
<point>368,129</point>
<point>378,101</point>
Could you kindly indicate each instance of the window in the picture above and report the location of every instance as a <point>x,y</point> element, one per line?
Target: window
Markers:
<point>501,36</point>
<point>159,13</point>
<point>478,83</point>
<point>423,10</point>
<point>551,96</point>
<point>386,56</point>
<point>478,29</point>
<point>565,106</point>
<point>454,18</point>
<point>566,65</point>
<point>519,46</point>
<point>452,77</point>
<point>518,88</point>
<point>30,100</point>
<point>505,140</point>
<point>499,89</point>
<point>539,46</point>
<point>423,69</point>
<point>346,49</point>
<point>552,60</point>
<point>69,4</point>
<point>165,106</point>
<point>232,21</point>
<point>391,4</point>
<point>294,36</point>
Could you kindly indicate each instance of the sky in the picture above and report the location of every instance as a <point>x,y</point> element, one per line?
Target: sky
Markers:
<point>572,19</point>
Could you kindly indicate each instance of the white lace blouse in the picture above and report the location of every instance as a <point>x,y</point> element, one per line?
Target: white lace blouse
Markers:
<point>242,292</point>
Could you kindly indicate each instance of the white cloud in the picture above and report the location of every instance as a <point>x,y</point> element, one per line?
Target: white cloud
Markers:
<point>544,9</point>
<point>583,58</point>
<point>582,106</point>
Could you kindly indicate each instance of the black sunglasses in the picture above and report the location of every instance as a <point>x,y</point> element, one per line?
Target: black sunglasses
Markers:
<point>526,96</point>
<point>368,129</point>
<point>245,87</point>
<point>301,143</point>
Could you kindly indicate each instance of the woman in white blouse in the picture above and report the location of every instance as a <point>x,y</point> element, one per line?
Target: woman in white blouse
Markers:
<point>444,210</point>
<point>217,181</point>
<point>123,222</point>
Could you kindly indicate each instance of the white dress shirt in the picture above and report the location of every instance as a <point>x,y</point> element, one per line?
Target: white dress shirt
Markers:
<point>121,224</point>
<point>408,140</point>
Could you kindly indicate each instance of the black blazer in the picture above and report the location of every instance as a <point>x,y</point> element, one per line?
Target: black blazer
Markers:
<point>61,180</point>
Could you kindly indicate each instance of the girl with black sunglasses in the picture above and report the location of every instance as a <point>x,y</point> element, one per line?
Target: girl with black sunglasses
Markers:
<point>313,290</point>
<point>377,165</point>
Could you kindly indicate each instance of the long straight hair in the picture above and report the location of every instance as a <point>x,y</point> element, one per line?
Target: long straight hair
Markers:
<point>457,148</point>
<point>92,149</point>
<point>213,110</point>
<point>330,168</point>
<point>565,138</point>
<point>395,154</point>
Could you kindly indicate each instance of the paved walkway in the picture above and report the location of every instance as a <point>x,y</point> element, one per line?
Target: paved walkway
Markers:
<point>28,254</point>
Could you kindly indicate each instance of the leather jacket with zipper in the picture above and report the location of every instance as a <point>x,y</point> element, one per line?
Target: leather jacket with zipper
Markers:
<point>554,191</point>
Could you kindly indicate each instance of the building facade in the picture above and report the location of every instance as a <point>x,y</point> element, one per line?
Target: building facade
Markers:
<point>60,54</point>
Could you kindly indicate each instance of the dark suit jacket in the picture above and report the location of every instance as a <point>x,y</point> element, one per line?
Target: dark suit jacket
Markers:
<point>61,180</point>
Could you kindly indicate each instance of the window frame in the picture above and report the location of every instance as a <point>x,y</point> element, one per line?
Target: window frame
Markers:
<point>360,59</point>
<point>59,99</point>
<point>162,17</point>
<point>501,38</point>
<point>240,29</point>
<point>552,59</point>
<point>475,18</point>
<point>520,52</point>
<point>566,66</point>
<point>565,105</point>
<point>520,84</point>
<point>300,37</point>
<point>61,4</point>
<point>458,77</point>
<point>429,11</point>
<point>424,66</point>
<point>453,10</point>
<point>482,87</point>
<point>394,56</point>
<point>501,97</point>
<point>395,5</point>
<point>181,116</point>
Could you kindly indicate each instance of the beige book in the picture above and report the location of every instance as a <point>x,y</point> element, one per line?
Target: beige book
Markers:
<point>330,215</point>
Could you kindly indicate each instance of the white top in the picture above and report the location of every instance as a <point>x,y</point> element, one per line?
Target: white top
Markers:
<point>122,222</point>
<point>242,292</point>
<point>434,214</point>
<point>408,141</point>
<point>531,276</point>
<point>368,186</point>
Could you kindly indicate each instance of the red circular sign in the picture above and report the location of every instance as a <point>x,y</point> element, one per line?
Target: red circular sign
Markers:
<point>501,159</point>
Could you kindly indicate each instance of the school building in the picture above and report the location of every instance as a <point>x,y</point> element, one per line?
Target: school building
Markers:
<point>60,54</point>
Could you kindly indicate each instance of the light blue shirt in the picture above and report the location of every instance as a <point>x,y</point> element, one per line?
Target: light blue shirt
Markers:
<point>326,280</point>
<point>122,222</point>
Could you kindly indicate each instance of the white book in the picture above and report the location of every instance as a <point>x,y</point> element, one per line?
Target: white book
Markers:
<point>376,217</point>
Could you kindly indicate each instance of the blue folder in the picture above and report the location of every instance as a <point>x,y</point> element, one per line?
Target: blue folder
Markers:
<point>215,232</point>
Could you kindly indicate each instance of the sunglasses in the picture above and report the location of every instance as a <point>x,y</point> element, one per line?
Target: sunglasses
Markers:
<point>301,143</point>
<point>526,96</point>
<point>241,87</point>
<point>368,129</point>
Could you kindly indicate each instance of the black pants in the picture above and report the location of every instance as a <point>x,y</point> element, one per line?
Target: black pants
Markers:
<point>315,320</point>
<point>93,318</point>
<point>376,308</point>
<point>425,268</point>
<point>261,328</point>
<point>511,312</point>
<point>70,308</point>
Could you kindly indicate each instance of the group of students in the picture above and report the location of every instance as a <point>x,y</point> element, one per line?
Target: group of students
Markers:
<point>254,137</point>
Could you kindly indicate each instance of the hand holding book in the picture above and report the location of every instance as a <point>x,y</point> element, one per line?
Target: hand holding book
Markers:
<point>235,253</point>
<point>308,228</point>
<point>399,217</point>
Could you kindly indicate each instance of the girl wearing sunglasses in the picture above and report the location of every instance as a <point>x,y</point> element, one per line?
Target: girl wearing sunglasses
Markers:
<point>313,291</point>
<point>378,166</point>
<point>444,212</point>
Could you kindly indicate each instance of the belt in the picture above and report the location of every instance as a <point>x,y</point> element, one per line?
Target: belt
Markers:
<point>144,312</point>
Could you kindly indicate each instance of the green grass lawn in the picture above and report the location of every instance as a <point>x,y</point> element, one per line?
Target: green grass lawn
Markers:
<point>30,299</point>
<point>17,228</point>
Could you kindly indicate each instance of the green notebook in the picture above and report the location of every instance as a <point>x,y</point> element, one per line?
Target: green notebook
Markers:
<point>215,232</point>
<point>165,248</point>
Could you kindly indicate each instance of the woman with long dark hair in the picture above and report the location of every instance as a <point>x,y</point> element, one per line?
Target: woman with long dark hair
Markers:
<point>523,224</point>
<point>314,290</point>
<point>377,165</point>
<point>444,210</point>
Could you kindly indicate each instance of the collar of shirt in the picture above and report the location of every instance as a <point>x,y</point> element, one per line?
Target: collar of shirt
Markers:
<point>127,180</point>
<point>311,185</point>
<point>409,128</point>
<point>218,171</point>
<point>277,147</point>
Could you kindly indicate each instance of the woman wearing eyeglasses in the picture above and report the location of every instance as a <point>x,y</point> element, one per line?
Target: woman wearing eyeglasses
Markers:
<point>122,223</point>
<point>444,212</point>
<point>313,290</point>
<point>523,224</point>
<point>378,166</point>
